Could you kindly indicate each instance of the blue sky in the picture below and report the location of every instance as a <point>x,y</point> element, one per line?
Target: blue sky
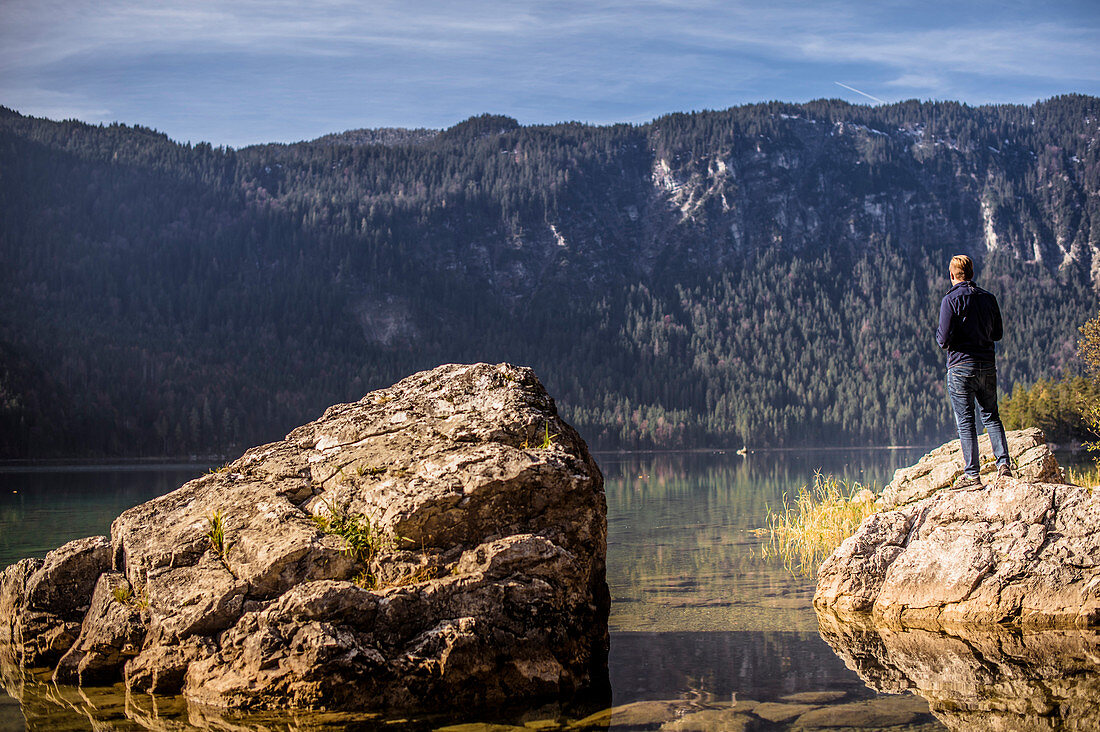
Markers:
<point>235,73</point>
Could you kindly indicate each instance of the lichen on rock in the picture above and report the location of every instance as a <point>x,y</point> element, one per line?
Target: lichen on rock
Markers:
<point>467,567</point>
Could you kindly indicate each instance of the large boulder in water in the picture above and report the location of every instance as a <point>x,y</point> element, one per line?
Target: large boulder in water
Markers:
<point>1010,551</point>
<point>441,541</point>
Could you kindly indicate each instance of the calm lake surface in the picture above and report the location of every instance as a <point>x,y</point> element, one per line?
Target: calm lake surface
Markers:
<point>700,618</point>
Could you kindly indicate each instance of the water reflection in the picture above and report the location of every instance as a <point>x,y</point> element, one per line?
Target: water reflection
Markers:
<point>705,633</point>
<point>979,678</point>
<point>42,705</point>
<point>41,509</point>
<point>722,681</point>
<point>725,665</point>
<point>681,550</point>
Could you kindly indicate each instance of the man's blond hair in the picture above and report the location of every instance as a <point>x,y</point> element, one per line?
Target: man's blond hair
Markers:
<point>962,267</point>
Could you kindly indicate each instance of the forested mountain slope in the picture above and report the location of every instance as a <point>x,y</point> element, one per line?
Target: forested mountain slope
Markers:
<point>767,274</point>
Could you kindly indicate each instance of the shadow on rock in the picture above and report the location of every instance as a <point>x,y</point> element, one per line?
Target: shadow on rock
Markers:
<point>989,677</point>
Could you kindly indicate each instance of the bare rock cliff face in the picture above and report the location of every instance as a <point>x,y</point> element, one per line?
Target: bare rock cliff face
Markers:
<point>441,541</point>
<point>1014,550</point>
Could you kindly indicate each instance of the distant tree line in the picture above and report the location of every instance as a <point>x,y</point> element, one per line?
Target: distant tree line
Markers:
<point>1066,409</point>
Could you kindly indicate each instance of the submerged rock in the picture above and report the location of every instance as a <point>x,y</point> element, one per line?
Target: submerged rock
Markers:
<point>441,541</point>
<point>1011,551</point>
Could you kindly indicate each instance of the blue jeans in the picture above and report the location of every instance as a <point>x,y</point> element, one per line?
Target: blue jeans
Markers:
<point>969,384</point>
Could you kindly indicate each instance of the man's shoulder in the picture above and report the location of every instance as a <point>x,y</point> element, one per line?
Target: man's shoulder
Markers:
<point>969,289</point>
<point>955,293</point>
<point>984,293</point>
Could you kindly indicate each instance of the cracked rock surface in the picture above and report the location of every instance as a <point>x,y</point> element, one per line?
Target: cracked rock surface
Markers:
<point>1014,550</point>
<point>480,579</point>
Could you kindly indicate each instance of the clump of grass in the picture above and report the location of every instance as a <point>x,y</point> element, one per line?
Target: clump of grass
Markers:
<point>123,594</point>
<point>220,469</point>
<point>546,441</point>
<point>215,532</point>
<point>1087,476</point>
<point>372,470</point>
<point>547,438</point>
<point>361,540</point>
<point>822,516</point>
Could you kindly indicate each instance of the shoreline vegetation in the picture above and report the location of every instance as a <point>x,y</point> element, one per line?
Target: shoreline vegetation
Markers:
<point>1086,477</point>
<point>805,530</point>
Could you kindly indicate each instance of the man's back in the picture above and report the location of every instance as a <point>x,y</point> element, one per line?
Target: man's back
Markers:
<point>970,322</point>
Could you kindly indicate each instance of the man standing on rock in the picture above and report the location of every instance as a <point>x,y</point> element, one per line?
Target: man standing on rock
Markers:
<point>970,322</point>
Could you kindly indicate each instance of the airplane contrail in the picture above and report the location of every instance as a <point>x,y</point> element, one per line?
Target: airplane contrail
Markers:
<point>857,91</point>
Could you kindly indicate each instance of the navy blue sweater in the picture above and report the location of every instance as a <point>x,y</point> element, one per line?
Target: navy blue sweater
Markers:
<point>970,321</point>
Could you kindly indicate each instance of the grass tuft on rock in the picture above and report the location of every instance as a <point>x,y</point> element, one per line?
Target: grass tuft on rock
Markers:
<point>361,540</point>
<point>123,594</point>
<point>215,532</point>
<point>544,442</point>
<point>803,532</point>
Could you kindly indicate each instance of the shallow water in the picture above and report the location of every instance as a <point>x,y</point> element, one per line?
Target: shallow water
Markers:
<point>701,623</point>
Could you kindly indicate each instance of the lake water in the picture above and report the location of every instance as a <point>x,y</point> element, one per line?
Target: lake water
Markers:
<point>702,623</point>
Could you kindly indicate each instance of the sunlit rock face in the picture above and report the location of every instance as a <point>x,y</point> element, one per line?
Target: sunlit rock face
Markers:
<point>1033,460</point>
<point>442,541</point>
<point>1010,551</point>
<point>988,677</point>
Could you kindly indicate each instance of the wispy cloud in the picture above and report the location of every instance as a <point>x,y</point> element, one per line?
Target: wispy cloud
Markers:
<point>917,81</point>
<point>234,70</point>
<point>1044,49</point>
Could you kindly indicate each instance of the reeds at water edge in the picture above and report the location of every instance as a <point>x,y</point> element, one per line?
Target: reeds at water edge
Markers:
<point>806,530</point>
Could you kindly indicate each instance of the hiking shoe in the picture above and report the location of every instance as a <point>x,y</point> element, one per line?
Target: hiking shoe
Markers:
<point>968,481</point>
<point>1004,472</point>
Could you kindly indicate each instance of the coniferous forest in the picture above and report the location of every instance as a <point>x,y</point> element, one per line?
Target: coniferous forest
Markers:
<point>764,275</point>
